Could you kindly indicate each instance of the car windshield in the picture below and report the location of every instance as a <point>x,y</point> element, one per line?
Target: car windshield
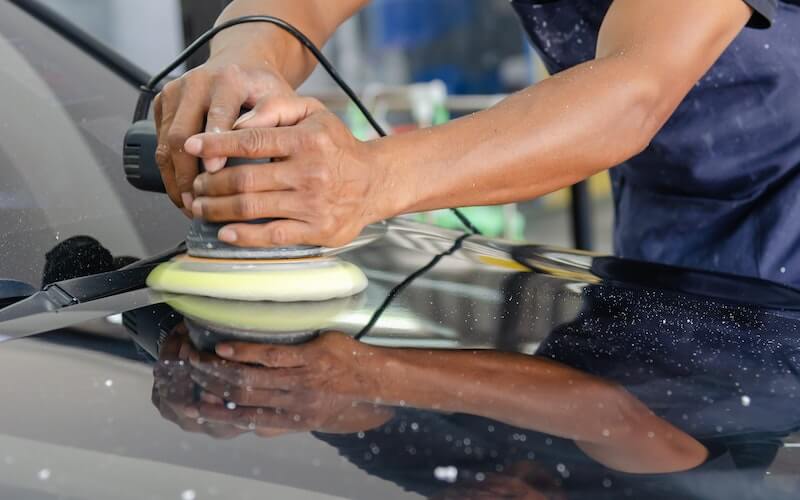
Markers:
<point>468,367</point>
<point>62,120</point>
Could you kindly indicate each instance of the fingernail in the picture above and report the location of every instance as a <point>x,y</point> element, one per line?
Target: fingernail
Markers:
<point>228,235</point>
<point>197,208</point>
<point>247,116</point>
<point>187,199</point>
<point>197,185</point>
<point>191,412</point>
<point>211,398</point>
<point>224,350</point>
<point>214,164</point>
<point>194,358</point>
<point>193,145</point>
<point>183,353</point>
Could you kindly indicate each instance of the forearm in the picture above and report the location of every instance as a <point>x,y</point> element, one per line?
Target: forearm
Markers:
<point>538,394</point>
<point>546,137</point>
<point>525,391</point>
<point>318,19</point>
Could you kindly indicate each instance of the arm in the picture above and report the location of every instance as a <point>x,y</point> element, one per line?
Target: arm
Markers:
<point>318,19</point>
<point>604,420</point>
<point>564,129</point>
<point>529,392</point>
<point>576,124</point>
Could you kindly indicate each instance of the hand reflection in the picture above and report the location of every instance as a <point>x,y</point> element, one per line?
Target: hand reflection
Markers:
<point>268,390</point>
<point>174,391</point>
<point>332,385</point>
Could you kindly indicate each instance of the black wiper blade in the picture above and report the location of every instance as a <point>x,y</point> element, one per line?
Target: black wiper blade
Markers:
<point>42,308</point>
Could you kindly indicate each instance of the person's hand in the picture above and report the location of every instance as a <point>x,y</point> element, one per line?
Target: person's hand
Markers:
<point>174,391</point>
<point>325,187</point>
<point>208,98</point>
<point>319,386</point>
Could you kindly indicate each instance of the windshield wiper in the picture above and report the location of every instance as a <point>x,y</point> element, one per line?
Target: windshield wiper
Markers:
<point>40,311</point>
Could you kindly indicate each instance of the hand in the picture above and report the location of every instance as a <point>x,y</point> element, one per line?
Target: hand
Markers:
<point>322,385</point>
<point>174,391</point>
<point>326,186</point>
<point>213,93</point>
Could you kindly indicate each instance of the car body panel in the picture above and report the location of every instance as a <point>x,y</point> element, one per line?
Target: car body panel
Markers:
<point>79,419</point>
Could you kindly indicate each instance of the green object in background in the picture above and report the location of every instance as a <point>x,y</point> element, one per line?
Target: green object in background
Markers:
<point>441,115</point>
<point>358,123</point>
<point>489,220</point>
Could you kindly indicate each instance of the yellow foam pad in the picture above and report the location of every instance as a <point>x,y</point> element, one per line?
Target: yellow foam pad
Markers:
<point>260,316</point>
<point>278,281</point>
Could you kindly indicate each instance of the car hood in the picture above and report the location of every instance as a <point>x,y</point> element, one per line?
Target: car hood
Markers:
<point>688,344</point>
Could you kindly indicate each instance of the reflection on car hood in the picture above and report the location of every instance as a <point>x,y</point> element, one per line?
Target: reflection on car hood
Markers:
<point>706,363</point>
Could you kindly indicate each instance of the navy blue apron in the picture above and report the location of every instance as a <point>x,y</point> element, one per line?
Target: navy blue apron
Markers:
<point>719,186</point>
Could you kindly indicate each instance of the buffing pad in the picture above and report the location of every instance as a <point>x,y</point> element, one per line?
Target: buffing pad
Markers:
<point>211,321</point>
<point>297,280</point>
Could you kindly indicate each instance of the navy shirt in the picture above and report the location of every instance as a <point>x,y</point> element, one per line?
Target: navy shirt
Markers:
<point>719,186</point>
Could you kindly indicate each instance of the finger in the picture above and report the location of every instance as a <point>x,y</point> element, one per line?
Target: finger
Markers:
<point>279,233</point>
<point>219,392</point>
<point>248,143</point>
<point>272,356</point>
<point>188,121</point>
<point>252,418</point>
<point>280,111</point>
<point>272,432</point>
<point>223,432</point>
<point>223,110</point>
<point>170,348</point>
<point>164,112</point>
<point>277,176</point>
<point>187,350</point>
<point>249,395</point>
<point>211,399</point>
<point>228,372</point>
<point>251,206</point>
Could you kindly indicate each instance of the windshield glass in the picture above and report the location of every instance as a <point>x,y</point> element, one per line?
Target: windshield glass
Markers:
<point>62,121</point>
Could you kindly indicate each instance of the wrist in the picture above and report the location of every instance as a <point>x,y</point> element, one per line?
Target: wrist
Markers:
<point>247,42</point>
<point>373,368</point>
<point>264,46</point>
<point>392,185</point>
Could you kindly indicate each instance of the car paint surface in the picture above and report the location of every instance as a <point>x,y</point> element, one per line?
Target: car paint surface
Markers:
<point>715,356</point>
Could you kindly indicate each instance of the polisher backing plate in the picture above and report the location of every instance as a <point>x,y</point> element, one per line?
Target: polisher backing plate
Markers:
<point>294,280</point>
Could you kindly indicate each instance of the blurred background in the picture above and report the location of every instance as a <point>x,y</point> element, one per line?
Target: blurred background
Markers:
<point>416,63</point>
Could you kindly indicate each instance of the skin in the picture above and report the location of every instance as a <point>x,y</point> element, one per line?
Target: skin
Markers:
<point>328,185</point>
<point>247,64</point>
<point>337,384</point>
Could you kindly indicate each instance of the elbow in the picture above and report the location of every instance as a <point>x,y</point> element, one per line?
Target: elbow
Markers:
<point>648,106</point>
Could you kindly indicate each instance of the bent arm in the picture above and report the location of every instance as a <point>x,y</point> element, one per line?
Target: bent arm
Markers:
<point>573,125</point>
<point>605,420</point>
<point>318,19</point>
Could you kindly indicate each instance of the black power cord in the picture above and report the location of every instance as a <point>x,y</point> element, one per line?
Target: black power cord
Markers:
<point>150,90</point>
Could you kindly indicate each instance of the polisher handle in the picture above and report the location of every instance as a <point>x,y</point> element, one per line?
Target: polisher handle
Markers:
<point>139,158</point>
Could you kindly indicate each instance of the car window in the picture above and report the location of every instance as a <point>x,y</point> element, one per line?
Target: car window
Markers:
<point>63,117</point>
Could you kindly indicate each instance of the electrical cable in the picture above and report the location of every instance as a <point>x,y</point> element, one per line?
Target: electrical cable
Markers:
<point>150,90</point>
<point>405,283</point>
